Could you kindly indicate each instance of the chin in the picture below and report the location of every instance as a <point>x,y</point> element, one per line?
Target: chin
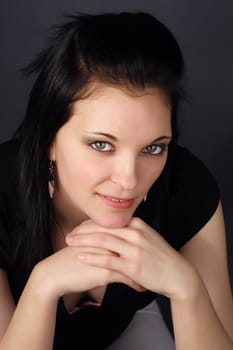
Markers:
<point>113,222</point>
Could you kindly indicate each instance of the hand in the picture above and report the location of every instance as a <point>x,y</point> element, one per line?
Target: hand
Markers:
<point>139,252</point>
<point>63,272</point>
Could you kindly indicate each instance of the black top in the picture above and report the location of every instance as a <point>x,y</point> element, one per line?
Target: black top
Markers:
<point>178,205</point>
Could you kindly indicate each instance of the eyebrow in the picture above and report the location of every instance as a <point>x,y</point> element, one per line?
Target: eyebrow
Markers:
<point>114,138</point>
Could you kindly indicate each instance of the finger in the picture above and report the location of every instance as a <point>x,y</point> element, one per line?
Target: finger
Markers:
<point>128,282</point>
<point>128,234</point>
<point>119,278</point>
<point>91,226</point>
<point>126,267</point>
<point>111,276</point>
<point>137,223</point>
<point>101,241</point>
<point>95,250</point>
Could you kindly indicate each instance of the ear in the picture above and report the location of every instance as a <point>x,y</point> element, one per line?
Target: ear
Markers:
<point>52,151</point>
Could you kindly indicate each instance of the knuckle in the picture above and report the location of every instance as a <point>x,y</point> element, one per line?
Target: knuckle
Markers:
<point>107,261</point>
<point>136,221</point>
<point>137,236</point>
<point>136,254</point>
<point>102,238</point>
<point>135,269</point>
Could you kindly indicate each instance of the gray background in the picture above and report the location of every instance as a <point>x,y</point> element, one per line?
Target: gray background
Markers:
<point>204,29</point>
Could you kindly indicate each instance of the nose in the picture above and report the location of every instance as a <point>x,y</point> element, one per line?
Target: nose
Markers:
<point>124,172</point>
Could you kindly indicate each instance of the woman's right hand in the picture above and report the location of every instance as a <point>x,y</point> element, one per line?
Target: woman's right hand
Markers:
<point>63,273</point>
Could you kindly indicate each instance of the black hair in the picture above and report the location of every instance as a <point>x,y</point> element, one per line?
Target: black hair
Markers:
<point>131,50</point>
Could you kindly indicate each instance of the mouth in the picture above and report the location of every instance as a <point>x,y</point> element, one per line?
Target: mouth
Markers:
<point>116,202</point>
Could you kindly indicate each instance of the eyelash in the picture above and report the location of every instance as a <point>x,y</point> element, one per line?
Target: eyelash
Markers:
<point>94,144</point>
<point>162,147</point>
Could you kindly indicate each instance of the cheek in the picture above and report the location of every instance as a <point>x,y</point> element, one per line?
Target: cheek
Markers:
<point>77,171</point>
<point>72,174</point>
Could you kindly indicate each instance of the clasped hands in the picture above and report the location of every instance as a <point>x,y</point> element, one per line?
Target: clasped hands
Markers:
<point>136,251</point>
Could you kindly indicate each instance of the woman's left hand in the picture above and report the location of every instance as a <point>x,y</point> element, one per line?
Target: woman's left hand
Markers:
<point>139,252</point>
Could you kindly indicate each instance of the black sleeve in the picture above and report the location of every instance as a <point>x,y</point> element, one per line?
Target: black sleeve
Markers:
<point>194,197</point>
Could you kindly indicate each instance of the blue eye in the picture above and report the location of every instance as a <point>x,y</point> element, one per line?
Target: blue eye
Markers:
<point>154,149</point>
<point>101,146</point>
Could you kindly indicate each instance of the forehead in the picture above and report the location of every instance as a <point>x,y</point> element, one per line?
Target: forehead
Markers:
<point>102,96</point>
<point>121,111</point>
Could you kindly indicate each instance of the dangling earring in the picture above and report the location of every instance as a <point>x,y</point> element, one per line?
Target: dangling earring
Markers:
<point>145,198</point>
<point>51,182</point>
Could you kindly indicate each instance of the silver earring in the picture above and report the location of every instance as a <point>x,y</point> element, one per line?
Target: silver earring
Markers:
<point>145,198</point>
<point>51,182</point>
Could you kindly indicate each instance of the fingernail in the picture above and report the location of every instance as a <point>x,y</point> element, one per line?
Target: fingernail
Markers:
<point>81,256</point>
<point>69,238</point>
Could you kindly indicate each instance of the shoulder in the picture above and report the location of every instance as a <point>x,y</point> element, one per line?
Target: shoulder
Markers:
<point>192,199</point>
<point>8,162</point>
<point>187,170</point>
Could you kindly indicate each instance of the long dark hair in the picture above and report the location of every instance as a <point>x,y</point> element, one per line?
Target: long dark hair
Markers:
<point>133,50</point>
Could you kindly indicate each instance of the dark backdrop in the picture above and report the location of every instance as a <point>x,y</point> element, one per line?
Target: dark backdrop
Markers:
<point>204,29</point>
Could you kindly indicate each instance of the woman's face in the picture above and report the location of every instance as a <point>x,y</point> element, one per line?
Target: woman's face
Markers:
<point>108,155</point>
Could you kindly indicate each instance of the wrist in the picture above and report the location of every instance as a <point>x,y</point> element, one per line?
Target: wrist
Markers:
<point>190,286</point>
<point>42,285</point>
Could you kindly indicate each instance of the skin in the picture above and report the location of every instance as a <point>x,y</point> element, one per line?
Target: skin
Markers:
<point>99,241</point>
<point>131,160</point>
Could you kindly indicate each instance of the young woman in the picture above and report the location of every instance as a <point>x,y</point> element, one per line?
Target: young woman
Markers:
<point>101,210</point>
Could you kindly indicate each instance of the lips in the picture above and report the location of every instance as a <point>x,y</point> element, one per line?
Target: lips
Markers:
<point>115,199</point>
<point>116,202</point>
